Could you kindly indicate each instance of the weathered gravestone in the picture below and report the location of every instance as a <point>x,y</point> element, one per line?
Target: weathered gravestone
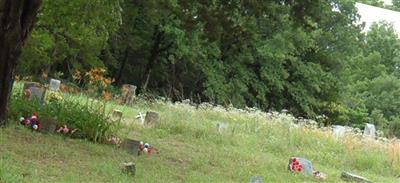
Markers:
<point>116,115</point>
<point>222,127</point>
<point>55,84</point>
<point>130,168</point>
<point>49,125</point>
<point>132,146</point>
<point>369,130</point>
<point>339,131</point>
<point>34,90</point>
<point>37,93</point>
<point>256,179</point>
<point>307,165</point>
<point>128,93</point>
<point>151,118</point>
<point>349,177</point>
<point>27,85</point>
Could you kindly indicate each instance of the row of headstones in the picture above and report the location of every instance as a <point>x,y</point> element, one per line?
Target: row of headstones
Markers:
<point>36,90</point>
<point>369,130</point>
<point>149,119</point>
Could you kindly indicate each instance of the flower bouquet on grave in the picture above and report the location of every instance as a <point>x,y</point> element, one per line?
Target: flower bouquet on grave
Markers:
<point>32,122</point>
<point>146,148</point>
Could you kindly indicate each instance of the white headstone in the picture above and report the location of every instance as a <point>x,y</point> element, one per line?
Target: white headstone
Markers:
<point>141,117</point>
<point>369,130</point>
<point>222,127</point>
<point>55,84</point>
<point>339,131</point>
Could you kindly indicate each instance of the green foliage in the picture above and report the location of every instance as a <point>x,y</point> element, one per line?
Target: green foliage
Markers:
<point>309,57</point>
<point>70,35</point>
<point>89,116</point>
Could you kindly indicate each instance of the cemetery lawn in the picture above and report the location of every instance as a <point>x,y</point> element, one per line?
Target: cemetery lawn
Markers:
<point>191,150</point>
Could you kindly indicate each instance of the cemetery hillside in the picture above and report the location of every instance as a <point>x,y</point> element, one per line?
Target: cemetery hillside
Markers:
<point>194,143</point>
<point>199,91</point>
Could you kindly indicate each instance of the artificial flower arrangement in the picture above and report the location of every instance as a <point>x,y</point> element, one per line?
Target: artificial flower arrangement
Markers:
<point>33,122</point>
<point>146,148</point>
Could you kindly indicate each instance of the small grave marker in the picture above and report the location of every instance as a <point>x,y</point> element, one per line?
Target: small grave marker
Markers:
<point>55,84</point>
<point>37,93</point>
<point>132,146</point>
<point>222,127</point>
<point>141,117</point>
<point>27,85</point>
<point>339,131</point>
<point>369,130</point>
<point>116,115</point>
<point>307,165</point>
<point>49,125</point>
<point>151,118</point>
<point>130,168</point>
<point>349,177</point>
<point>256,179</point>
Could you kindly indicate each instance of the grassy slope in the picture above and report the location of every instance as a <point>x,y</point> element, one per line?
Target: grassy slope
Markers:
<point>190,151</point>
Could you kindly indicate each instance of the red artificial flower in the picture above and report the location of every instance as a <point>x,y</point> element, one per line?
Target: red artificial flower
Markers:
<point>39,125</point>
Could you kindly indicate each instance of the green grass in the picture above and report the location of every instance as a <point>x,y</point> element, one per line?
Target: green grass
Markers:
<point>191,150</point>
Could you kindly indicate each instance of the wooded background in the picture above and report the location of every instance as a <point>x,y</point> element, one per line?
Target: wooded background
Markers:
<point>308,56</point>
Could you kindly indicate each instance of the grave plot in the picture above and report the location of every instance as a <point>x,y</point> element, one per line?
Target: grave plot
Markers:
<point>302,165</point>
<point>138,148</point>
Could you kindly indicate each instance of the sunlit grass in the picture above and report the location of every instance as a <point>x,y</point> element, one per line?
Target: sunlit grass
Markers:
<point>192,150</point>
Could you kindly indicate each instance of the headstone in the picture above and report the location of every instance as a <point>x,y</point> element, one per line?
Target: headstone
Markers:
<point>151,118</point>
<point>128,93</point>
<point>49,125</point>
<point>27,85</point>
<point>369,130</point>
<point>256,179</point>
<point>37,93</point>
<point>339,131</point>
<point>349,177</point>
<point>222,127</point>
<point>55,84</point>
<point>141,117</point>
<point>130,168</point>
<point>132,146</point>
<point>307,165</point>
<point>116,115</point>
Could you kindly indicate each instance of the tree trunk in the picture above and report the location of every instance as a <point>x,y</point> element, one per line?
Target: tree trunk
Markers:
<point>17,18</point>
<point>122,66</point>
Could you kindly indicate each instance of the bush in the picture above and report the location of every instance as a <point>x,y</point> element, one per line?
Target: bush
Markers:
<point>88,116</point>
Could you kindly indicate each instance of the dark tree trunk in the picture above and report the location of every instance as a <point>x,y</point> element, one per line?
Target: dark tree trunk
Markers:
<point>155,52</point>
<point>17,18</point>
<point>122,66</point>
